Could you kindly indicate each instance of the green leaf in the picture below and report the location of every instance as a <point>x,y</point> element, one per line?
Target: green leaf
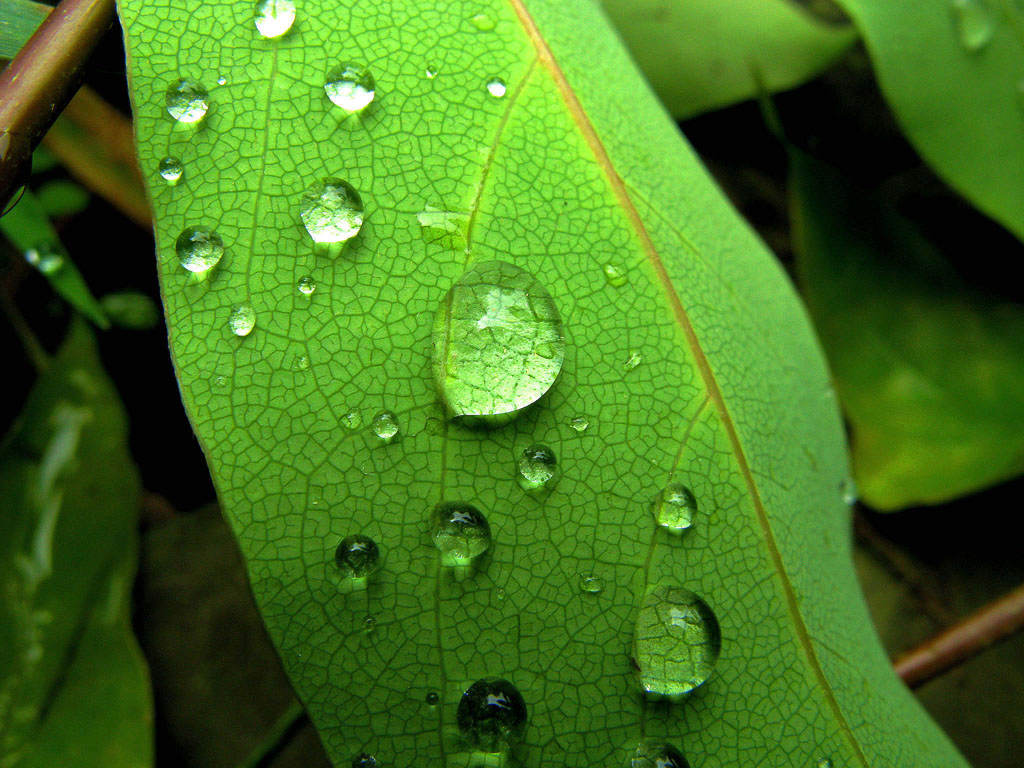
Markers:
<point>928,371</point>
<point>574,168</point>
<point>131,310</point>
<point>954,81</point>
<point>73,687</point>
<point>18,20</point>
<point>700,55</point>
<point>62,198</point>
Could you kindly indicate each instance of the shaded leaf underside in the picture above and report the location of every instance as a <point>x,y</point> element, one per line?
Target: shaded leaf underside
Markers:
<point>574,168</point>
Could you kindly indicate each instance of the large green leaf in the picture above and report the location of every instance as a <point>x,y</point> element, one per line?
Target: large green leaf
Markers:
<point>951,70</point>
<point>703,54</point>
<point>928,371</point>
<point>74,690</point>
<point>576,167</point>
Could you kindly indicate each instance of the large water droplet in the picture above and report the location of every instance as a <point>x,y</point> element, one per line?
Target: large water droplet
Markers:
<point>385,426</point>
<point>491,715</point>
<point>307,286</point>
<point>675,507</point>
<point>46,258</point>
<point>974,23</point>
<point>657,754</point>
<point>274,17</point>
<point>357,556</point>
<point>498,343</point>
<point>537,468</point>
<point>677,641</point>
<point>242,320</point>
<point>199,249</point>
<point>350,87</point>
<point>187,101</point>
<point>171,170</point>
<point>496,87</point>
<point>332,211</point>
<point>460,532</point>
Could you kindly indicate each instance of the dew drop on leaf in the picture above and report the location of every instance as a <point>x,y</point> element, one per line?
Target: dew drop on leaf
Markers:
<point>430,71</point>
<point>491,715</point>
<point>677,641</point>
<point>537,468</point>
<point>242,320</point>
<point>302,363</point>
<point>675,507</point>
<point>187,101</point>
<point>307,286</point>
<point>432,699</point>
<point>579,423</point>
<point>496,87</point>
<point>823,763</point>
<point>634,360</point>
<point>364,760</point>
<point>274,17</point>
<point>460,532</point>
<point>332,211</point>
<point>44,257</point>
<point>657,754</point>
<point>848,489</point>
<point>171,170</point>
<point>357,556</point>
<point>482,22</point>
<point>591,584</point>
<point>614,275</point>
<point>498,343</point>
<point>385,426</point>
<point>199,249</point>
<point>974,24</point>
<point>350,87</point>
<point>369,625</point>
<point>445,227</point>
<point>352,420</point>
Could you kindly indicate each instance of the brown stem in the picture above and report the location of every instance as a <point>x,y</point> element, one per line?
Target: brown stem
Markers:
<point>38,83</point>
<point>963,640</point>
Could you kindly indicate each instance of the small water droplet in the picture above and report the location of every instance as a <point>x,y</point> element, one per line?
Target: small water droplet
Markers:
<point>677,641</point>
<point>350,87</point>
<point>974,24</point>
<point>302,363</point>
<point>675,507</point>
<point>171,170</point>
<point>848,489</point>
<point>220,382</point>
<point>537,468</point>
<point>431,71</point>
<point>591,584</point>
<point>369,626</point>
<point>460,532</point>
<point>199,249</point>
<point>634,359</point>
<point>187,101</point>
<point>364,760</point>
<point>357,556</point>
<point>432,699</point>
<point>824,763</point>
<point>491,715</point>
<point>385,426</point>
<point>274,17</point>
<point>500,593</point>
<point>482,22</point>
<point>579,423</point>
<point>242,320</point>
<point>615,276</point>
<point>657,754</point>
<point>445,227</point>
<point>496,87</point>
<point>46,258</point>
<point>352,420</point>
<point>307,286</point>
<point>332,211</point>
<point>222,80</point>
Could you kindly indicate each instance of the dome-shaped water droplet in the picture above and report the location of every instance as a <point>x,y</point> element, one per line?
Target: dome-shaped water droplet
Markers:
<point>591,584</point>
<point>352,420</point>
<point>445,227</point>
<point>385,426</point>
<point>364,760</point>
<point>824,763</point>
<point>537,468</point>
<point>432,699</point>
<point>491,715</point>
<point>369,626</point>
<point>199,249</point>
<point>483,22</point>
<point>307,286</point>
<point>615,276</point>
<point>46,258</point>
<point>187,101</point>
<point>242,320</point>
<point>848,489</point>
<point>496,87</point>
<point>657,754</point>
<point>302,363</point>
<point>357,556</point>
<point>974,23</point>
<point>332,211</point>
<point>487,334</point>
<point>171,170</point>
<point>675,507</point>
<point>430,71</point>
<point>677,641</point>
<point>634,360</point>
<point>579,423</point>
<point>274,17</point>
<point>350,87</point>
<point>460,532</point>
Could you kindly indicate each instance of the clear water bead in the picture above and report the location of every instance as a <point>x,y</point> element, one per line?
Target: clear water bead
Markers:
<point>579,423</point>
<point>491,715</point>
<point>614,275</point>
<point>651,753</point>
<point>496,87</point>
<point>199,249</point>
<point>171,170</point>
<point>482,22</point>
<point>307,286</point>
<point>974,24</point>
<point>332,211</point>
<point>357,556</point>
<point>46,258</point>
<point>675,507</point>
<point>364,760</point>
<point>350,87</point>
<point>242,320</point>
<point>591,584</point>
<point>537,467</point>
<point>633,361</point>
<point>460,532</point>
<point>187,101</point>
<point>274,17</point>
<point>385,426</point>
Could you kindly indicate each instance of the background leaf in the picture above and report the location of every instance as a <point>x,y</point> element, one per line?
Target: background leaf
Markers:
<point>18,20</point>
<point>574,168</point>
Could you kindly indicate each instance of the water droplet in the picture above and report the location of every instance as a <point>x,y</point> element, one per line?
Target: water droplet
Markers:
<point>677,641</point>
<point>352,420</point>
<point>350,87</point>
<point>220,382</point>
<point>242,320</point>
<point>222,80</point>
<point>332,211</point>
<point>615,276</point>
<point>432,699</point>
<point>675,507</point>
<point>302,363</point>
<point>274,17</point>
<point>591,584</point>
<point>187,101</point>
<point>634,359</point>
<point>536,467</point>
<point>45,258</point>
<point>500,593</point>
<point>385,426</point>
<point>974,24</point>
<point>364,760</point>
<point>460,531</point>
<point>357,556</point>
<point>431,71</point>
<point>848,489</point>
<point>171,170</point>
<point>486,335</point>
<point>491,715</point>
<point>307,286</point>
<point>657,754</point>
<point>369,626</point>
<point>496,87</point>
<point>824,763</point>
<point>199,249</point>
<point>483,22</point>
<point>579,423</point>
<point>445,227</point>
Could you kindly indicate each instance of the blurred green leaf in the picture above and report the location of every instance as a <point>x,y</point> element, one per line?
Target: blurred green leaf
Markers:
<point>43,159</point>
<point>699,55</point>
<point>28,228</point>
<point>131,310</point>
<point>18,20</point>
<point>62,198</point>
<point>928,372</point>
<point>73,688</point>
